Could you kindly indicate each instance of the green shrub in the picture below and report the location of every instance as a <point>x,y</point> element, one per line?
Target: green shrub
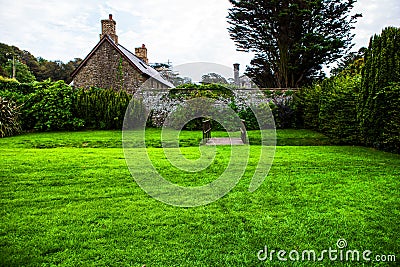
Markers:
<point>101,108</point>
<point>330,107</point>
<point>306,106</point>
<point>9,124</point>
<point>337,108</point>
<point>388,117</point>
<point>382,68</point>
<point>188,91</point>
<point>12,85</point>
<point>50,107</point>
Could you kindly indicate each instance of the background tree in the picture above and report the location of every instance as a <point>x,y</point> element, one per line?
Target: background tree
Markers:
<point>213,78</point>
<point>166,71</point>
<point>351,63</point>
<point>292,39</point>
<point>22,72</point>
<point>41,68</point>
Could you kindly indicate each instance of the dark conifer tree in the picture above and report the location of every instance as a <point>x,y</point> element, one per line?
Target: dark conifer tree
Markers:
<point>292,39</point>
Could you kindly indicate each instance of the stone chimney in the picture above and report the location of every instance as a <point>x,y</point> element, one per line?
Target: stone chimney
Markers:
<point>236,74</point>
<point>108,28</point>
<point>141,52</point>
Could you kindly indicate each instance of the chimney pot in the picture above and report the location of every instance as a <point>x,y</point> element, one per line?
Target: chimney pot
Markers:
<point>236,77</point>
<point>141,52</point>
<point>108,28</point>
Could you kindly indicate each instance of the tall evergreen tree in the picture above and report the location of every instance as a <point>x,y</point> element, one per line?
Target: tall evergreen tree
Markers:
<point>377,114</point>
<point>292,39</point>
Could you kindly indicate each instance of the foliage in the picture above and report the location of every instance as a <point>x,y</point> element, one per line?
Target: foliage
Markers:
<point>337,109</point>
<point>291,39</point>
<point>282,109</point>
<point>351,63</point>
<point>382,68</point>
<point>330,107</point>
<point>100,108</point>
<point>50,107</point>
<point>306,102</point>
<point>9,123</point>
<point>213,78</point>
<point>360,104</point>
<point>166,71</point>
<point>22,72</point>
<point>188,91</point>
<point>387,115</point>
<point>13,86</point>
<point>41,68</point>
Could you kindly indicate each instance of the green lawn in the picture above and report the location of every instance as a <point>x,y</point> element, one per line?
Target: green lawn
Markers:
<point>68,199</point>
<point>112,139</point>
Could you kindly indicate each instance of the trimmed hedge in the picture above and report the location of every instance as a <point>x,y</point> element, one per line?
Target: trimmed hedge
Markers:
<point>330,107</point>
<point>387,115</point>
<point>362,108</point>
<point>48,106</point>
<point>100,108</point>
<point>337,116</point>
<point>382,69</point>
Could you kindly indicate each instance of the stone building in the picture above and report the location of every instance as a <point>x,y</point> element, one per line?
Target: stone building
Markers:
<point>111,65</point>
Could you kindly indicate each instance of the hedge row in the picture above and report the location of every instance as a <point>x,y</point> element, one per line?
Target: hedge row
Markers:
<point>363,108</point>
<point>379,89</point>
<point>330,107</point>
<point>47,105</point>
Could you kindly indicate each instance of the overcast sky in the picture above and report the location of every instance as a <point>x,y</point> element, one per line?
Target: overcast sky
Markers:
<point>182,31</point>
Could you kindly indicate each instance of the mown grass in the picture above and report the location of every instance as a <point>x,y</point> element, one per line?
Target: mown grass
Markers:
<point>76,204</point>
<point>113,139</point>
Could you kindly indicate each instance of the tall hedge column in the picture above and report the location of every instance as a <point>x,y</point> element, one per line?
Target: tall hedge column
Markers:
<point>381,72</point>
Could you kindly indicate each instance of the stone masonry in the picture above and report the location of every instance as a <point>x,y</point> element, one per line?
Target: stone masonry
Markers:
<point>108,28</point>
<point>109,67</point>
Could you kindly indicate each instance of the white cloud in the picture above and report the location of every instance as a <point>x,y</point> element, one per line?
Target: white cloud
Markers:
<point>377,14</point>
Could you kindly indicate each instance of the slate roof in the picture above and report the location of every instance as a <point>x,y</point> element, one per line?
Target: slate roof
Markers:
<point>136,62</point>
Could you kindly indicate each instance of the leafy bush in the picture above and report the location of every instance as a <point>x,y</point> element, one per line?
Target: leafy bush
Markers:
<point>388,118</point>
<point>337,108</point>
<point>282,109</point>
<point>12,85</point>
<point>306,105</point>
<point>50,107</point>
<point>330,107</point>
<point>188,91</point>
<point>382,68</point>
<point>100,108</point>
<point>9,124</point>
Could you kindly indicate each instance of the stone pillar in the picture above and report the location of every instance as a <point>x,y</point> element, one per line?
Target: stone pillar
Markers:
<point>108,28</point>
<point>141,52</point>
<point>236,74</point>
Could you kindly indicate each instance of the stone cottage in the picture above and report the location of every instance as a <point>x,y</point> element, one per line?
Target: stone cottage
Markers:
<point>111,65</point>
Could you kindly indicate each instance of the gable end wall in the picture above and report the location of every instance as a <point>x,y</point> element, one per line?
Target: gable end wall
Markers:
<point>108,69</point>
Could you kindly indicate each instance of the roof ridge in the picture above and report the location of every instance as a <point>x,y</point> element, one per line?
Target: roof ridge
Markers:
<point>138,63</point>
